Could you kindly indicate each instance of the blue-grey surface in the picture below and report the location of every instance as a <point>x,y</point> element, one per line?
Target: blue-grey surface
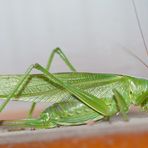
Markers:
<point>137,123</point>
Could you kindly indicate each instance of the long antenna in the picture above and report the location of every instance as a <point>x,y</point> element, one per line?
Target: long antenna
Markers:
<point>133,55</point>
<point>139,25</point>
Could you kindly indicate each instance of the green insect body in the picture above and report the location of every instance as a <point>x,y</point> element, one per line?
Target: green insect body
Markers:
<point>77,97</point>
<point>67,110</point>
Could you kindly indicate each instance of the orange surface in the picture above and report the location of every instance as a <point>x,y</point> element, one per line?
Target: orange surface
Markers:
<point>132,140</point>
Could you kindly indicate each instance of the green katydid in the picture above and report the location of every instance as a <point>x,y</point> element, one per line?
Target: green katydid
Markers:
<point>77,97</point>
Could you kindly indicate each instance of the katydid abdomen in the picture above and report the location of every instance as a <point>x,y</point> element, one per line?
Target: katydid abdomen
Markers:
<point>71,112</point>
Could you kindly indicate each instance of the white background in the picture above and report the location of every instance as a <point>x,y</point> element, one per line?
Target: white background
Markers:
<point>92,33</point>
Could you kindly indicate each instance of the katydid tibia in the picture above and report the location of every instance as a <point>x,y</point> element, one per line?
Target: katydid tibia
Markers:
<point>77,97</point>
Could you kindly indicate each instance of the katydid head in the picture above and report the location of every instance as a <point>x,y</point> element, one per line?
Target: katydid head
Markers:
<point>138,86</point>
<point>138,90</point>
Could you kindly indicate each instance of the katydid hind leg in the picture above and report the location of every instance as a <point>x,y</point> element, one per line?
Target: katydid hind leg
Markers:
<point>50,60</point>
<point>93,102</point>
<point>90,100</point>
<point>121,104</point>
<point>97,104</point>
